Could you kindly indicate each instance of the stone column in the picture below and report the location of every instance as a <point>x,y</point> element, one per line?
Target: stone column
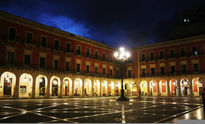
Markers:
<point>179,85</point>
<point>148,88</point>
<point>34,86</point>
<point>73,82</point>
<point>158,88</point>
<point>16,88</point>
<point>168,87</point>
<point>83,87</point>
<point>191,87</point>
<point>100,87</point>
<point>61,86</point>
<point>48,86</point>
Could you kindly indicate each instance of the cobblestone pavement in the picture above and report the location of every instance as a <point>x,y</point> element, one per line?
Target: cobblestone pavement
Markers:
<point>99,110</point>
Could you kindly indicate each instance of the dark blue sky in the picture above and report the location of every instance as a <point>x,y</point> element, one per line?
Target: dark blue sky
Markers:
<point>114,22</point>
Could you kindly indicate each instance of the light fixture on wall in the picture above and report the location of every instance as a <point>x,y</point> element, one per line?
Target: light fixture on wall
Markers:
<point>55,82</point>
<point>153,84</point>
<point>66,82</point>
<point>163,83</point>
<point>173,83</point>
<point>25,79</point>
<point>110,85</point>
<point>40,80</point>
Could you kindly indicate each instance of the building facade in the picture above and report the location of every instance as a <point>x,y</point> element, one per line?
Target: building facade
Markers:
<point>38,61</point>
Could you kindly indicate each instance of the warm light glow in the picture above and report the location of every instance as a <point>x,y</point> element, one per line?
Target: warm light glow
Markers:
<point>130,85</point>
<point>153,84</point>
<point>110,85</point>
<point>163,83</point>
<point>122,49</point>
<point>116,54</point>
<point>103,84</point>
<point>86,83</point>
<point>116,85</point>
<point>7,77</point>
<point>66,82</point>
<point>185,83</point>
<point>40,80</point>
<point>197,82</point>
<point>25,79</point>
<point>95,84</point>
<point>174,83</point>
<point>55,82</point>
<point>127,54</point>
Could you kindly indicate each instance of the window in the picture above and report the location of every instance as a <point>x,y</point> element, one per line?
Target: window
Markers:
<point>68,47</point>
<point>56,44</point>
<point>10,57</point>
<point>78,50</point>
<point>55,64</point>
<point>103,56</point>
<point>182,50</point>
<point>43,41</point>
<point>161,54</point>
<point>22,89</point>
<point>194,51</point>
<point>78,67</point>
<point>152,71</point>
<point>96,54</point>
<point>27,60</point>
<point>172,69</point>
<point>96,70</point>
<point>151,56</point>
<point>103,71</point>
<point>87,69</point>
<point>28,37</point>
<point>111,57</point>
<point>12,34</point>
<point>143,57</point>
<point>110,72</point>
<point>67,64</point>
<point>129,73</point>
<point>183,68</point>
<point>88,52</point>
<point>42,62</point>
<point>143,72</point>
<point>171,53</point>
<point>195,66</point>
<point>162,70</point>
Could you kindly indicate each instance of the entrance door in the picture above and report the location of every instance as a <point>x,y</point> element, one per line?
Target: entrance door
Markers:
<point>66,90</point>
<point>7,86</point>
<point>42,88</point>
<point>200,91</point>
<point>55,90</point>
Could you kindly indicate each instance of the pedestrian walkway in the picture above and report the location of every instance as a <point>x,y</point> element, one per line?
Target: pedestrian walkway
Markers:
<point>197,114</point>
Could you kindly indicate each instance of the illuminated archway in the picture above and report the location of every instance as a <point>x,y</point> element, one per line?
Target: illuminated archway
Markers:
<point>104,88</point>
<point>163,88</point>
<point>197,87</point>
<point>67,86</point>
<point>117,88</point>
<point>174,89</point>
<point>25,85</point>
<point>153,88</point>
<point>78,87</point>
<point>55,86</point>
<point>185,87</point>
<point>41,85</point>
<point>143,88</point>
<point>96,88</point>
<point>133,87</point>
<point>111,88</point>
<point>87,87</point>
<point>8,84</point>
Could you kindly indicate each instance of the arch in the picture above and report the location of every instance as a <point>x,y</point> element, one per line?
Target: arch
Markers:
<point>25,85</point>
<point>8,84</point>
<point>78,87</point>
<point>143,88</point>
<point>96,88</point>
<point>117,88</point>
<point>185,87</point>
<point>111,88</point>
<point>133,87</point>
<point>67,86</point>
<point>173,87</point>
<point>55,86</point>
<point>163,88</point>
<point>104,88</point>
<point>41,86</point>
<point>88,87</point>
<point>197,87</point>
<point>153,88</point>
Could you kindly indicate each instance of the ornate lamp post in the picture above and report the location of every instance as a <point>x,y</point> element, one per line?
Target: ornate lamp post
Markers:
<point>122,55</point>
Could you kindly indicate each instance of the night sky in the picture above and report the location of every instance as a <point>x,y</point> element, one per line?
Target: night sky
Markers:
<point>113,22</point>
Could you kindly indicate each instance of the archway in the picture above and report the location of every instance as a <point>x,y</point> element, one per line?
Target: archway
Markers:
<point>153,88</point>
<point>67,86</point>
<point>55,86</point>
<point>25,85</point>
<point>8,84</point>
<point>111,88</point>
<point>133,87</point>
<point>174,89</point>
<point>104,88</point>
<point>41,86</point>
<point>185,87</point>
<point>78,87</point>
<point>143,88</point>
<point>87,87</point>
<point>197,87</point>
<point>117,89</point>
<point>96,88</point>
<point>163,87</point>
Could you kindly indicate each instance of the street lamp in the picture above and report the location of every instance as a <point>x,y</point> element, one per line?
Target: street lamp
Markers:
<point>122,55</point>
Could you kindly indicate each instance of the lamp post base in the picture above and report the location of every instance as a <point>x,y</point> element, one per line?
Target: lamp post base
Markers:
<point>122,99</point>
